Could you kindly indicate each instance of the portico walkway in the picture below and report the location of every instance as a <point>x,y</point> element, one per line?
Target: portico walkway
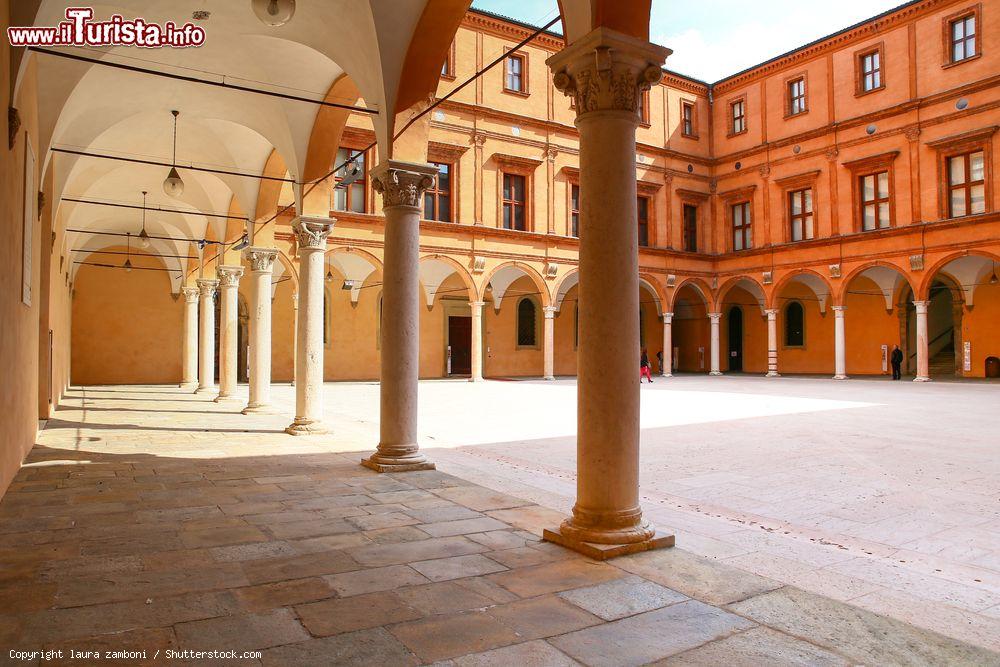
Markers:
<point>149,518</point>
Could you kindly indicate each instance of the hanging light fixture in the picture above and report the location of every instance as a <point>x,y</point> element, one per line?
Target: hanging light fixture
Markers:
<point>273,12</point>
<point>143,236</point>
<point>329,276</point>
<point>173,185</point>
<point>993,276</point>
<point>128,253</point>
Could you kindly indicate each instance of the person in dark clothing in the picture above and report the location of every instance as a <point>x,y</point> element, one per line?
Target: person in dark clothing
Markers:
<point>644,367</point>
<point>896,359</point>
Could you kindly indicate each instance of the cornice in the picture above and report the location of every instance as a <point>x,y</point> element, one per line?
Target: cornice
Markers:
<point>507,30</point>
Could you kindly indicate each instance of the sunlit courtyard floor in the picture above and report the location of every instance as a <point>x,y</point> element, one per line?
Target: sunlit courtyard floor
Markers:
<point>151,517</point>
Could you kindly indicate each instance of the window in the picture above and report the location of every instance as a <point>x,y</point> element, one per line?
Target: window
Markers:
<point>526,318</point>
<point>966,184</point>
<point>644,109</point>
<point>800,214</point>
<point>738,114</point>
<point>448,66</point>
<point>515,73</point>
<point>690,230</point>
<point>742,237</point>
<point>687,118</point>
<point>962,35</point>
<point>797,96</point>
<point>642,213</point>
<point>437,199</point>
<point>795,331</point>
<point>514,202</point>
<point>870,71</point>
<point>874,201</point>
<point>574,210</point>
<point>350,197</point>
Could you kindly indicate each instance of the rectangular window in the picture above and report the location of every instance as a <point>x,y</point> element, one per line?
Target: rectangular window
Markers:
<point>742,236</point>
<point>966,184</point>
<point>800,213</point>
<point>642,213</point>
<point>871,71</point>
<point>738,112</point>
<point>514,73</point>
<point>796,96</point>
<point>687,119</point>
<point>448,66</point>
<point>644,108</point>
<point>514,202</point>
<point>690,228</point>
<point>963,38</point>
<point>574,210</point>
<point>350,197</point>
<point>875,201</point>
<point>437,198</point>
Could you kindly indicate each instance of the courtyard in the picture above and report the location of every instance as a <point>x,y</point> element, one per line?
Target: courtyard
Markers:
<point>811,516</point>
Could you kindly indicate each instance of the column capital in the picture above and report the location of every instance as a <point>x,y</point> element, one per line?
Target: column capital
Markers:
<point>715,317</point>
<point>190,294</point>
<point>207,286</point>
<point>607,71</point>
<point>229,276</point>
<point>771,313</point>
<point>839,309</point>
<point>476,304</point>
<point>921,306</point>
<point>311,233</point>
<point>403,183</point>
<point>550,312</point>
<point>261,259</point>
<point>668,318</point>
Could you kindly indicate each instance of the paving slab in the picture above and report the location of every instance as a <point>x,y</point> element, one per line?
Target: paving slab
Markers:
<point>756,646</point>
<point>622,597</point>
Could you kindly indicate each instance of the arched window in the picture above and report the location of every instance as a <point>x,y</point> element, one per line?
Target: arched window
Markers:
<point>795,331</point>
<point>526,318</point>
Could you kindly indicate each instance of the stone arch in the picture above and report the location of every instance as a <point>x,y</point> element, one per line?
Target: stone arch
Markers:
<point>748,284</point>
<point>892,287</point>
<point>819,285</point>
<point>503,276</point>
<point>967,269</point>
<point>699,286</point>
<point>563,287</point>
<point>355,265</point>
<point>651,285</point>
<point>435,269</point>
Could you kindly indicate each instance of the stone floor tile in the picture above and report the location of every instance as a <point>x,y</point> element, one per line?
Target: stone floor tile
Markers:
<point>363,648</point>
<point>242,552</point>
<point>462,527</point>
<point>446,597</point>
<point>386,520</point>
<point>443,637</point>
<point>329,543</point>
<point>486,588</point>
<point>407,552</point>
<point>295,567</point>
<point>395,535</point>
<point>24,598</point>
<point>654,635</point>
<point>451,512</point>
<point>695,576</point>
<point>861,635</point>
<point>541,617</point>
<point>283,594</point>
<point>622,597</point>
<point>312,528</point>
<point>241,633</point>
<point>527,555</point>
<point>143,642</point>
<point>175,560</point>
<point>331,617</point>
<point>755,647</point>
<point>384,509</point>
<point>531,518</point>
<point>374,579</point>
<point>403,497</point>
<point>499,539</point>
<point>456,567</point>
<point>148,584</point>
<point>529,654</point>
<point>479,498</point>
<point>555,577</point>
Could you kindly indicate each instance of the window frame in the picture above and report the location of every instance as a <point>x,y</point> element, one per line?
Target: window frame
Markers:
<point>517,166</point>
<point>869,166</point>
<point>967,185</point>
<point>523,74</point>
<point>517,324</point>
<point>745,229</point>
<point>513,203</point>
<point>951,146</point>
<point>731,107</point>
<point>859,69</point>
<point>639,222</point>
<point>362,180</point>
<point>448,66</point>
<point>784,326</point>
<point>974,12</point>
<point>730,200</point>
<point>804,216</point>
<point>798,183</point>
<point>689,104</point>
<point>644,106</point>
<point>573,228</point>
<point>879,199</point>
<point>694,199</point>
<point>435,191</point>
<point>790,98</point>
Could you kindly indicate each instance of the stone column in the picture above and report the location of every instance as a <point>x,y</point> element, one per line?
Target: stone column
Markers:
<point>295,336</point>
<point>668,346</point>
<point>840,343</point>
<point>477,340</point>
<point>189,346</point>
<point>206,335</point>
<point>548,344</point>
<point>714,360</point>
<point>923,353</point>
<point>606,73</point>
<point>229,284</point>
<point>261,264</point>
<point>402,185</point>
<point>772,343</point>
<point>311,234</point>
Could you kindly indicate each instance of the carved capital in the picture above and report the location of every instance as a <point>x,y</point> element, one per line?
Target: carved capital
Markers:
<point>831,154</point>
<point>190,294</point>
<point>912,134</point>
<point>207,287</point>
<point>478,138</point>
<point>403,184</point>
<point>765,171</point>
<point>551,152</point>
<point>607,71</point>
<point>229,276</point>
<point>311,233</point>
<point>261,259</point>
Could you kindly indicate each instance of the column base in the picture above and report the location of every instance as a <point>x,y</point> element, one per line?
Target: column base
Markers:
<point>839,377</point>
<point>548,377</point>
<point>773,374</point>
<point>205,390</point>
<point>659,540</point>
<point>189,386</point>
<point>714,373</point>
<point>228,398</point>
<point>302,426</point>
<point>259,409</point>
<point>666,375</point>
<point>921,378</point>
<point>387,465</point>
<point>475,379</point>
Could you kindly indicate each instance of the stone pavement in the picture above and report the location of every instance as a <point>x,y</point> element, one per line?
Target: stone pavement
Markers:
<point>148,519</point>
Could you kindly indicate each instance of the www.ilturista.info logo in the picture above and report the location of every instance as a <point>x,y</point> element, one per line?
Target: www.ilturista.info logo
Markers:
<point>79,30</point>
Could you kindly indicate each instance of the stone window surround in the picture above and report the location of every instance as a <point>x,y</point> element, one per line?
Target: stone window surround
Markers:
<point>976,11</point>
<point>689,104</point>
<point>865,167</point>
<point>966,142</point>
<point>451,155</point>
<point>523,57</point>
<point>731,117</point>
<point>788,81</point>
<point>859,69</point>
<point>520,166</point>
<point>804,181</point>
<point>731,198</point>
<point>695,199</point>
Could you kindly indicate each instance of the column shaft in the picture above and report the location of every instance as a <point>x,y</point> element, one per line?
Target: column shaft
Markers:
<point>189,354</point>
<point>295,336</point>
<point>715,366</point>
<point>548,344</point>
<point>668,346</point>
<point>840,343</point>
<point>229,282</point>
<point>402,186</point>
<point>477,340</point>
<point>923,351</point>
<point>261,264</point>
<point>206,336</point>
<point>311,236</point>
<point>772,343</point>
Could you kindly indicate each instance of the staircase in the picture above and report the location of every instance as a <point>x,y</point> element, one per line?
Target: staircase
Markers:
<point>942,364</point>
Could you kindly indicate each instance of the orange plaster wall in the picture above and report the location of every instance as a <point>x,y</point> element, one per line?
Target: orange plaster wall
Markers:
<point>981,327</point>
<point>351,350</point>
<point>127,327</point>
<point>282,333</point>
<point>690,329</point>
<point>867,326</point>
<point>565,361</point>
<point>817,355</point>
<point>503,357</point>
<point>754,332</point>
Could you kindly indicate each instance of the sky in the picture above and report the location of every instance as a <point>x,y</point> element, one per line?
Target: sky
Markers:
<point>713,39</point>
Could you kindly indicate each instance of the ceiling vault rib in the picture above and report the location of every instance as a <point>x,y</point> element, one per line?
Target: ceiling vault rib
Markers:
<point>153,208</point>
<point>192,79</point>
<point>155,163</point>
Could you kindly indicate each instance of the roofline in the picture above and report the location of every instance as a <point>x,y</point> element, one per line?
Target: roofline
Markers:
<point>522,24</point>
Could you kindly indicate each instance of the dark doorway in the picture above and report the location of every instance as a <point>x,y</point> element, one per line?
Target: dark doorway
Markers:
<point>735,339</point>
<point>460,341</point>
